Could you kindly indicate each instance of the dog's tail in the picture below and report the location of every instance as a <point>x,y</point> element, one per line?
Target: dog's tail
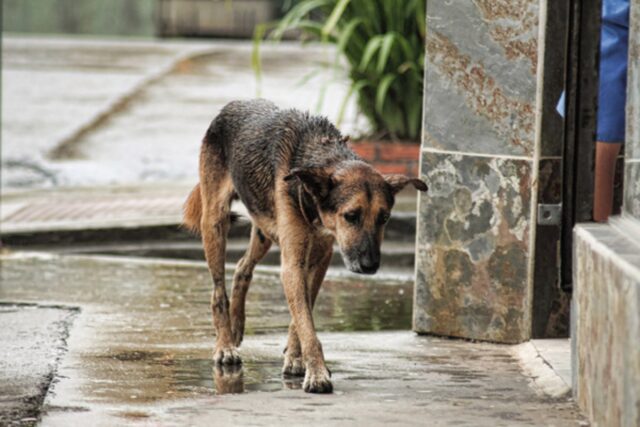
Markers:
<point>192,211</point>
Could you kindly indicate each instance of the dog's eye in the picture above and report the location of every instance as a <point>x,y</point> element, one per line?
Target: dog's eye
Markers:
<point>352,217</point>
<point>383,218</point>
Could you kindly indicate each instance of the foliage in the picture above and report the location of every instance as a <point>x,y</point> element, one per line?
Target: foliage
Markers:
<point>383,43</point>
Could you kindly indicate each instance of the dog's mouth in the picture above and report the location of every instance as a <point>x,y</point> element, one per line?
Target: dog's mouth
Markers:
<point>360,268</point>
<point>365,270</point>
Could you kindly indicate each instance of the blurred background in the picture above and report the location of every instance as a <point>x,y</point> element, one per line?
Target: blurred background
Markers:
<point>142,18</point>
<point>120,92</point>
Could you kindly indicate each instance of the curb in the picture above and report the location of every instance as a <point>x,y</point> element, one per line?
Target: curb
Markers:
<point>541,375</point>
<point>401,228</point>
<point>397,255</point>
<point>65,146</point>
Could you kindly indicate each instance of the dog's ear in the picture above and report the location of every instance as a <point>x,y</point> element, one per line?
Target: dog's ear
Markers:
<point>397,182</point>
<point>316,181</point>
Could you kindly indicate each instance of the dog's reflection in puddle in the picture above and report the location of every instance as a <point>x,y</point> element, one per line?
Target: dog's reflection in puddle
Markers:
<point>291,382</point>
<point>228,379</point>
<point>232,379</point>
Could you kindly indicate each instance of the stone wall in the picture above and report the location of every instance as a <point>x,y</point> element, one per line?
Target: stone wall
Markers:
<point>482,157</point>
<point>606,332</point>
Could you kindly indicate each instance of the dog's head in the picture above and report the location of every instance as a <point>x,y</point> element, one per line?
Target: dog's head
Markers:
<point>354,203</point>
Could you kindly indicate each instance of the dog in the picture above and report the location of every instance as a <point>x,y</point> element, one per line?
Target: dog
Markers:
<point>304,189</point>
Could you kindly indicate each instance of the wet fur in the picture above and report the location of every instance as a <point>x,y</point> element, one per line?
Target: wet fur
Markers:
<point>299,180</point>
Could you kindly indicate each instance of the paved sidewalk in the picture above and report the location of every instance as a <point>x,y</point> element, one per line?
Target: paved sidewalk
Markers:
<point>58,87</point>
<point>139,351</point>
<point>89,112</point>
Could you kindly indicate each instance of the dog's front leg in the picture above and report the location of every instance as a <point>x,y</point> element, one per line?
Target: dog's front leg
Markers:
<point>318,263</point>
<point>295,255</point>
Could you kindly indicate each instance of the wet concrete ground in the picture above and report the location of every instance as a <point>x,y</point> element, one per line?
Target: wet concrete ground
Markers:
<point>58,86</point>
<point>33,339</point>
<point>139,331</point>
<point>139,352</point>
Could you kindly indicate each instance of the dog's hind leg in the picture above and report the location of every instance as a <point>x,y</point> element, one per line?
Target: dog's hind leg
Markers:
<point>217,193</point>
<point>259,244</point>
<point>319,261</point>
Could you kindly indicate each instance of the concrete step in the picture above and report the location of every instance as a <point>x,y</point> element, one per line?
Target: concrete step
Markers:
<point>130,214</point>
<point>396,254</point>
<point>401,228</point>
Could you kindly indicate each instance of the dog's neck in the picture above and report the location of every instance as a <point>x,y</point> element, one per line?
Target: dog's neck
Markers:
<point>308,208</point>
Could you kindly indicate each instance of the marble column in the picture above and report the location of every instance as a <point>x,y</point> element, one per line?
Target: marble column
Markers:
<point>487,163</point>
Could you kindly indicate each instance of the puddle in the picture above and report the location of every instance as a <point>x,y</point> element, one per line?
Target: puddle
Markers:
<point>145,331</point>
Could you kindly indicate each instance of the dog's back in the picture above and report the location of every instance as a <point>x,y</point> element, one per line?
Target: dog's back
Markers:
<point>254,140</point>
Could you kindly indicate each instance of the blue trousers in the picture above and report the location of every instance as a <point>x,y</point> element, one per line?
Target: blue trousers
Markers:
<point>614,51</point>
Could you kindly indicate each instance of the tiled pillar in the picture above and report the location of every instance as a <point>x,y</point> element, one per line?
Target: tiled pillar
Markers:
<point>480,158</point>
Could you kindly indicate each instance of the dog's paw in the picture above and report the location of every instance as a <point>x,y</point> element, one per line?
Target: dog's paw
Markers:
<point>293,366</point>
<point>317,380</point>
<point>226,356</point>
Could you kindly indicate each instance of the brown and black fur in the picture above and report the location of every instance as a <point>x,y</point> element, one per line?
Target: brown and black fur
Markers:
<point>305,190</point>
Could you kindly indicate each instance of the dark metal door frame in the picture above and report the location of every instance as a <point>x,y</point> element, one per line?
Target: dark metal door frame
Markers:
<point>580,131</point>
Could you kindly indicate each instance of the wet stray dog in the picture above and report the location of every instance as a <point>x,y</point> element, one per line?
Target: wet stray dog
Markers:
<point>305,190</point>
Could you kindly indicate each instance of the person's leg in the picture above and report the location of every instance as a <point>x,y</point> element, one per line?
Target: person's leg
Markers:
<point>606,156</point>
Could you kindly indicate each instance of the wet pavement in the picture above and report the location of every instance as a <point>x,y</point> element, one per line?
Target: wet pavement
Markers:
<point>97,340</point>
<point>96,112</point>
<point>55,86</point>
<point>33,339</point>
<point>139,351</point>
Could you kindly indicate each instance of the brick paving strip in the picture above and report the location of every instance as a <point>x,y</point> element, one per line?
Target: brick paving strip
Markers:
<point>80,209</point>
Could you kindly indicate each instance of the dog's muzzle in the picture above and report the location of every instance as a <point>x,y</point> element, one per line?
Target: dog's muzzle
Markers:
<point>363,262</point>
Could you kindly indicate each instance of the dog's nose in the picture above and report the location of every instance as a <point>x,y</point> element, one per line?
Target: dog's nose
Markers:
<point>369,264</point>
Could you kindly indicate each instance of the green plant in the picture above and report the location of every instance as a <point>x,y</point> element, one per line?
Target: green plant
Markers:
<point>383,43</point>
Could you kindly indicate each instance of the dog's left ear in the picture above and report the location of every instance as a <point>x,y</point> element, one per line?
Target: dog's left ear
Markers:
<point>397,182</point>
<point>316,181</point>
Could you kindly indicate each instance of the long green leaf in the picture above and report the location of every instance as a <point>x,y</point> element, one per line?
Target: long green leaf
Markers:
<point>347,32</point>
<point>292,19</point>
<point>337,12</point>
<point>385,51</point>
<point>383,88</point>
<point>369,52</point>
